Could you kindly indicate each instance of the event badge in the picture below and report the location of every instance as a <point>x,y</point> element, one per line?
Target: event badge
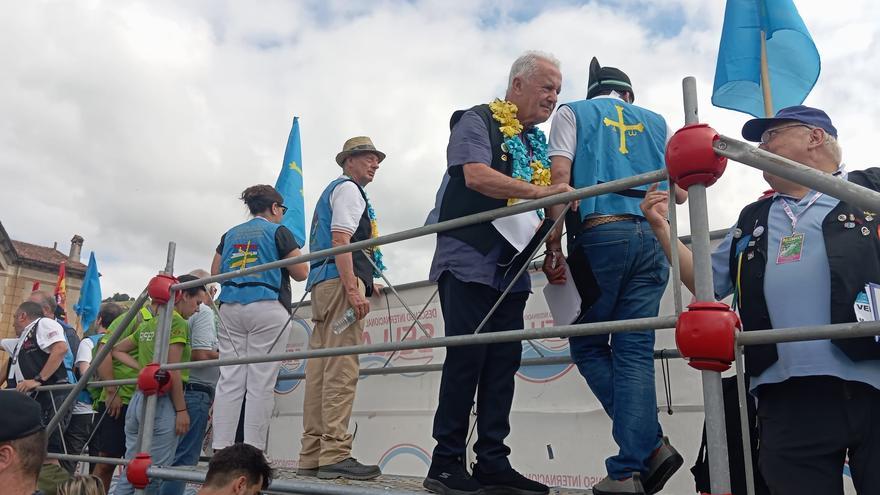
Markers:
<point>866,305</point>
<point>790,249</point>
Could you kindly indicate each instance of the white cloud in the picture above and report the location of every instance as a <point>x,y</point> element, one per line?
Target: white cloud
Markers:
<point>136,123</point>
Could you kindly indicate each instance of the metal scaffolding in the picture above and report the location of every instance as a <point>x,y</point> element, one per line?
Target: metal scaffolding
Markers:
<point>711,380</point>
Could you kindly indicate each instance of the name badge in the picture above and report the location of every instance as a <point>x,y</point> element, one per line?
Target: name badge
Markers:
<point>791,248</point>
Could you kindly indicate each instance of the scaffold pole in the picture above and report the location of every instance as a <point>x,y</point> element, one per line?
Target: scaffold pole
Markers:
<point>482,217</point>
<point>102,354</point>
<point>713,398</point>
<point>160,352</point>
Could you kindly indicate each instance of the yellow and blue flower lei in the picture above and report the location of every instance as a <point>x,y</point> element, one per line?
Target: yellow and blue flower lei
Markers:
<point>535,169</point>
<point>374,232</point>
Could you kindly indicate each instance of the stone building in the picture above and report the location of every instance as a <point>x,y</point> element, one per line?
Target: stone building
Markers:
<point>22,264</point>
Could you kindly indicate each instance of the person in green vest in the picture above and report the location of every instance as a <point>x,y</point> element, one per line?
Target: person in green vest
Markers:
<point>112,403</point>
<point>172,418</point>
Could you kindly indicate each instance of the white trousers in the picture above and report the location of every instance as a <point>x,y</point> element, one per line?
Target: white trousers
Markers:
<point>254,329</point>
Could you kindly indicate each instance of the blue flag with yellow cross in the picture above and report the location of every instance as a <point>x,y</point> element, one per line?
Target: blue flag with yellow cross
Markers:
<point>290,185</point>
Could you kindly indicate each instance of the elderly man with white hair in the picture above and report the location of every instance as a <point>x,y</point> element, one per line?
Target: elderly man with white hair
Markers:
<point>199,390</point>
<point>495,155</point>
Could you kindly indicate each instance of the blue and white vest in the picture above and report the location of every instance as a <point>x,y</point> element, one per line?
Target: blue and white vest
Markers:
<point>250,244</point>
<point>615,140</point>
<point>321,238</point>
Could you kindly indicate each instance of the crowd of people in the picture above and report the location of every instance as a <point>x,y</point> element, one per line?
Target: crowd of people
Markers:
<point>617,249</point>
<point>239,469</point>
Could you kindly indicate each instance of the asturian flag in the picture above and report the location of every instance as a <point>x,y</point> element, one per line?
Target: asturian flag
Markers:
<point>89,303</point>
<point>791,61</point>
<point>290,185</point>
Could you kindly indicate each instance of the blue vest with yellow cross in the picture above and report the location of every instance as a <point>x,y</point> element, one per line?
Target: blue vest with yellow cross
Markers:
<point>615,140</point>
<point>250,244</point>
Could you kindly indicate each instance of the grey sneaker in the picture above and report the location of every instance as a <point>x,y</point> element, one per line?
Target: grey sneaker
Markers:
<point>349,469</point>
<point>611,486</point>
<point>664,462</point>
<point>311,472</point>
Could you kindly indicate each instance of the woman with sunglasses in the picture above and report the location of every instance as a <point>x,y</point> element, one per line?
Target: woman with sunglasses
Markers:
<point>254,309</point>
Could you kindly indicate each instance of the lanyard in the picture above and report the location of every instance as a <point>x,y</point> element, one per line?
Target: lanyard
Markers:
<point>792,216</point>
<point>524,139</point>
<point>24,336</point>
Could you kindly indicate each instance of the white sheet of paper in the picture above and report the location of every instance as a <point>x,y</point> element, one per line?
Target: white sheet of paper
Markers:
<point>518,229</point>
<point>564,300</point>
<point>873,291</point>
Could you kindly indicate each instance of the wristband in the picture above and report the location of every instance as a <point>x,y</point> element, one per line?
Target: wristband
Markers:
<point>180,410</point>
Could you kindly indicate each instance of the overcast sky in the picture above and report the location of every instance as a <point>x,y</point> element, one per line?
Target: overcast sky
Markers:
<point>137,123</point>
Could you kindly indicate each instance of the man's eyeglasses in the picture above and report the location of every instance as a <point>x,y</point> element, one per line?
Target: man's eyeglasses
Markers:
<point>283,209</point>
<point>768,134</point>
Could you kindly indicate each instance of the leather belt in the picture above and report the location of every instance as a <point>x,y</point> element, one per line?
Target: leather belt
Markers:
<point>198,387</point>
<point>591,222</point>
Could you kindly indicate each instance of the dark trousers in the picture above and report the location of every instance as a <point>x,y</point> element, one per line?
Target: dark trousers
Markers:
<point>75,437</point>
<point>485,370</point>
<point>809,426</point>
<point>49,403</point>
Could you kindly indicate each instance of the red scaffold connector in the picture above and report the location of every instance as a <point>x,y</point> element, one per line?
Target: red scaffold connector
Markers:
<point>159,288</point>
<point>136,472</point>
<point>690,157</point>
<point>705,335</point>
<point>152,380</point>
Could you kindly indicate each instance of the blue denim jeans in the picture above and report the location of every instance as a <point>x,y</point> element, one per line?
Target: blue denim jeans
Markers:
<point>164,439</point>
<point>198,403</point>
<point>631,271</point>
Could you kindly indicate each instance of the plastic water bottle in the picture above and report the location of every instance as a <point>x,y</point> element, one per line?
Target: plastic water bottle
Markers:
<point>347,319</point>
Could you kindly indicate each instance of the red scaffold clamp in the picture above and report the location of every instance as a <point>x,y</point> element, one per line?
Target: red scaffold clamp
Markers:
<point>137,470</point>
<point>152,380</point>
<point>705,335</point>
<point>159,288</point>
<point>690,157</point>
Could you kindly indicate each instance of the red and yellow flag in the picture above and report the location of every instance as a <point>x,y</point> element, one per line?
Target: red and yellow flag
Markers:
<point>61,288</point>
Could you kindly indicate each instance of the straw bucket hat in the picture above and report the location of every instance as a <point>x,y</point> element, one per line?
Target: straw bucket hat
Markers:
<point>356,145</point>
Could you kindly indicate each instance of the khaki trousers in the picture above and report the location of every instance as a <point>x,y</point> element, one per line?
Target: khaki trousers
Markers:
<point>330,382</point>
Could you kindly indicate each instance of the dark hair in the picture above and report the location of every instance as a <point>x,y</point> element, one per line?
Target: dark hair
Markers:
<point>192,291</point>
<point>260,198</point>
<point>239,459</point>
<point>30,308</point>
<point>108,312</point>
<point>31,450</point>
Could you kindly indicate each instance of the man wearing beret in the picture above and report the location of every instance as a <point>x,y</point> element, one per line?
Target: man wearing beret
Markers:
<point>612,249</point>
<point>22,443</point>
<point>800,258</point>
